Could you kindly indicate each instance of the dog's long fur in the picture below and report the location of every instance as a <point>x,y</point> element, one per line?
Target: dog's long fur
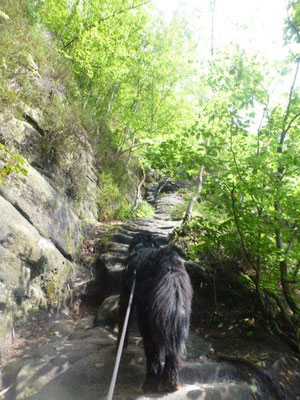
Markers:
<point>162,299</point>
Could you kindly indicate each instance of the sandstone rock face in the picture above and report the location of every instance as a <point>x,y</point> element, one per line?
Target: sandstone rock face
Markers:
<point>32,270</point>
<point>81,166</point>
<point>21,246</point>
<point>19,135</point>
<point>46,209</point>
<point>42,221</point>
<point>25,138</point>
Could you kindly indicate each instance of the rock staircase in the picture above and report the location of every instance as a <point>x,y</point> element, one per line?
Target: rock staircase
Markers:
<point>112,262</point>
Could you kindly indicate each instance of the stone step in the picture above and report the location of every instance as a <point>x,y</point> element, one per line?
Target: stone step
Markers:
<point>118,247</point>
<point>154,230</point>
<point>168,227</point>
<point>156,222</point>
<point>113,258</point>
<point>121,238</point>
<point>162,217</point>
<point>207,372</point>
<point>216,391</point>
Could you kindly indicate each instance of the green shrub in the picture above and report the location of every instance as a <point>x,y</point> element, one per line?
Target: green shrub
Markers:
<point>144,210</point>
<point>178,211</point>
<point>112,203</point>
<point>10,162</point>
<point>210,231</point>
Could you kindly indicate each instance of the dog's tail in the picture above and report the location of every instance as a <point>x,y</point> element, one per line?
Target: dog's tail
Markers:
<point>171,304</point>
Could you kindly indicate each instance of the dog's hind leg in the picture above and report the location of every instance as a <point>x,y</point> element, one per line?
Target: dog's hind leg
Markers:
<point>169,379</point>
<point>153,371</point>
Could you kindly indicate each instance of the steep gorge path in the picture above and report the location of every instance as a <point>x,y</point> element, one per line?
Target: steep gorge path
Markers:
<point>75,359</point>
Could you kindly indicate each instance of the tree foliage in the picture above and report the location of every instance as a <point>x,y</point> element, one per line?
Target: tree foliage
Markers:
<point>249,147</point>
<point>292,26</point>
<point>132,69</point>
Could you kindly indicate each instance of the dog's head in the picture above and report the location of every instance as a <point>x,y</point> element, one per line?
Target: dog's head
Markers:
<point>142,239</point>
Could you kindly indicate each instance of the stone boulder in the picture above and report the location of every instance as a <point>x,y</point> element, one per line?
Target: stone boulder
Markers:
<point>45,208</point>
<point>108,312</point>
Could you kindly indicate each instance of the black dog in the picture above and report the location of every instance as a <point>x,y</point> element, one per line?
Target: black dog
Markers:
<point>162,299</point>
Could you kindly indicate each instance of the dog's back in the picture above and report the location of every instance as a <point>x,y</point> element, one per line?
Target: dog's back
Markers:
<point>170,302</point>
<point>164,298</point>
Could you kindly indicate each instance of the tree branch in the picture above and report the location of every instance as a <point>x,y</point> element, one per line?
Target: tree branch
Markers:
<point>291,121</point>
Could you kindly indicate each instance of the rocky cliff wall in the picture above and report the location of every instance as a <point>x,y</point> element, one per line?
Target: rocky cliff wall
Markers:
<point>42,219</point>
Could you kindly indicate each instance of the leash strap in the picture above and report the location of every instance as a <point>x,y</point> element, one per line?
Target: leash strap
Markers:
<point>121,344</point>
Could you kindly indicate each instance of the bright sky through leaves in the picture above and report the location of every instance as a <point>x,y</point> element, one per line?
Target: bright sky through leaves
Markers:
<point>255,25</point>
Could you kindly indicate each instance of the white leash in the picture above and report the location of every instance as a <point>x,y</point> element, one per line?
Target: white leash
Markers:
<point>120,348</point>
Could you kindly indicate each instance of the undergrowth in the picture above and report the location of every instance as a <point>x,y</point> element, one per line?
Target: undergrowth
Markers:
<point>206,232</point>
<point>10,162</point>
<point>178,210</point>
<point>144,210</point>
<point>112,203</point>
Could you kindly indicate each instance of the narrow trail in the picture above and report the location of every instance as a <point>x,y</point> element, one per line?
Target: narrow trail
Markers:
<point>74,359</point>
<point>160,225</point>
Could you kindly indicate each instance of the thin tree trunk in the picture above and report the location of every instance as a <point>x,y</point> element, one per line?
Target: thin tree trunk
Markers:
<point>138,196</point>
<point>199,183</point>
<point>131,147</point>
<point>133,109</point>
<point>195,197</point>
<point>112,97</point>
